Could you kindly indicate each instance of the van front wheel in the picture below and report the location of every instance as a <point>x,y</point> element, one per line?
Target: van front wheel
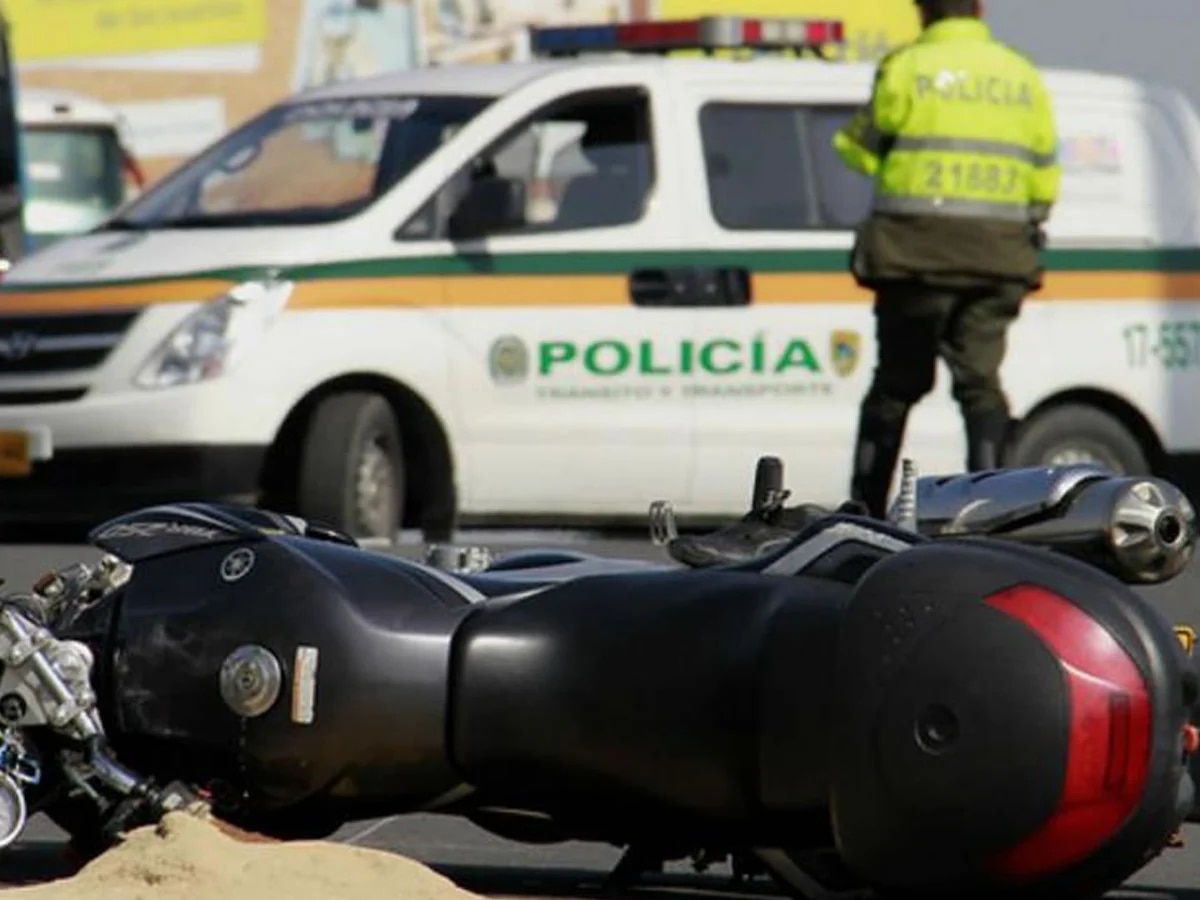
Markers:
<point>1068,435</point>
<point>352,466</point>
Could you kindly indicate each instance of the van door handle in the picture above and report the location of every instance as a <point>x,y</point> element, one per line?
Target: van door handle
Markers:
<point>691,286</point>
<point>652,287</point>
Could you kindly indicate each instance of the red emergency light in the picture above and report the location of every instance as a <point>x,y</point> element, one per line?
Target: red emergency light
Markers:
<point>709,34</point>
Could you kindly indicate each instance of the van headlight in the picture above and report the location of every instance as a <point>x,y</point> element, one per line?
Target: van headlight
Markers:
<point>210,341</point>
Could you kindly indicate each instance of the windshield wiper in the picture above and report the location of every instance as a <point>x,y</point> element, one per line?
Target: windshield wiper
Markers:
<point>118,225</point>
<point>222,221</point>
<point>245,219</point>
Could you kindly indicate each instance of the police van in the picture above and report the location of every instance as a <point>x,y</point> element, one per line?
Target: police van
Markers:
<point>559,289</point>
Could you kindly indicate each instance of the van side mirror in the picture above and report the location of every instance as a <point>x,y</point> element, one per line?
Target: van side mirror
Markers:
<point>490,205</point>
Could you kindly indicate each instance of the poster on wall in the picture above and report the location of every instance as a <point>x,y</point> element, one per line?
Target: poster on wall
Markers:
<point>137,34</point>
<point>873,27</point>
<point>177,73</point>
<point>341,39</point>
<point>496,30</point>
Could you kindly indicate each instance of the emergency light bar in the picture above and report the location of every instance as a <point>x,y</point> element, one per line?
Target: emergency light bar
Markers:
<point>709,33</point>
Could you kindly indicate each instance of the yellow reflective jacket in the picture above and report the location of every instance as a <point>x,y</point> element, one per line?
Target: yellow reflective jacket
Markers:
<point>960,139</point>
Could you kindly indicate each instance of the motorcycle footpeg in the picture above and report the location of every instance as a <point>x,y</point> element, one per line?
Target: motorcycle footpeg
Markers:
<point>177,796</point>
<point>663,526</point>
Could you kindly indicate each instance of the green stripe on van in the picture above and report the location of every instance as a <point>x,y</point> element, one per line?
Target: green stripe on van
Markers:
<point>617,262</point>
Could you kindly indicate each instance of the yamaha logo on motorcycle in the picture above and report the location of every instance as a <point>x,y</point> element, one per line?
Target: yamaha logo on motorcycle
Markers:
<point>237,564</point>
<point>967,702</point>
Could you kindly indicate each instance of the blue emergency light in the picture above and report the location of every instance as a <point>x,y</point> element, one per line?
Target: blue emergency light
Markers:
<point>709,33</point>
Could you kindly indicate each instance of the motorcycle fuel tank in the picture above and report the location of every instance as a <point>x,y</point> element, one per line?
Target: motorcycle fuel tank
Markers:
<point>292,668</point>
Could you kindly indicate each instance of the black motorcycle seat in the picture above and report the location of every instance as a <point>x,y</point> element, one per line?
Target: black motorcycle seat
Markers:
<point>723,674</point>
<point>839,547</point>
<point>536,569</point>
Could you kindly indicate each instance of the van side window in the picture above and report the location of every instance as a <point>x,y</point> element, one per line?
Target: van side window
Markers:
<point>584,162</point>
<point>786,177</point>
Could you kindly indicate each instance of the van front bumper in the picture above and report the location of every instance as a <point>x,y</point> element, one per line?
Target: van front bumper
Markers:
<point>85,486</point>
<point>111,452</point>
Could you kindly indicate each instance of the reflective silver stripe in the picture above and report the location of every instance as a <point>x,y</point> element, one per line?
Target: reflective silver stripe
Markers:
<point>943,206</point>
<point>1039,212</point>
<point>971,145</point>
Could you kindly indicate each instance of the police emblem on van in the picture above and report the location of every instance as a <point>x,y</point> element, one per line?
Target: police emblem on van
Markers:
<point>845,347</point>
<point>508,360</point>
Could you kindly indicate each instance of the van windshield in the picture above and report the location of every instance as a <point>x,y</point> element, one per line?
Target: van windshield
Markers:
<point>75,176</point>
<point>303,163</point>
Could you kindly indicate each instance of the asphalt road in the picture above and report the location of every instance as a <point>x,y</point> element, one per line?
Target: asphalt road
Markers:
<point>491,866</point>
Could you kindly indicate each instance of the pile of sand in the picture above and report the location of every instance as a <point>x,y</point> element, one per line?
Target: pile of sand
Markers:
<point>187,858</point>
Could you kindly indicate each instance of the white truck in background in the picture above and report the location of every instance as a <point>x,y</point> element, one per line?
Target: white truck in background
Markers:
<point>76,162</point>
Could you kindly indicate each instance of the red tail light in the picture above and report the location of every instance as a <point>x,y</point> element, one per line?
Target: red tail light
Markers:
<point>1108,754</point>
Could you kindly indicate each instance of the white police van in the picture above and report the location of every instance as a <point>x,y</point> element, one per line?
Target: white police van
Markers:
<point>563,288</point>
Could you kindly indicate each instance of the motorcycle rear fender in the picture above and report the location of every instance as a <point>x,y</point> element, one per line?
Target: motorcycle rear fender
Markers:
<point>922,623</point>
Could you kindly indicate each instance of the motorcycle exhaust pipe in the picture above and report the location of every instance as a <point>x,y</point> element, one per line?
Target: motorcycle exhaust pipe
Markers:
<point>1142,530</point>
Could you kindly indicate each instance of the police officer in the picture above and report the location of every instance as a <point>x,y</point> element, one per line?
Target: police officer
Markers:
<point>959,137</point>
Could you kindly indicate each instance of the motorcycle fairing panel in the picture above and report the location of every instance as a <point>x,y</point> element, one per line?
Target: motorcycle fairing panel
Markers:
<point>938,719</point>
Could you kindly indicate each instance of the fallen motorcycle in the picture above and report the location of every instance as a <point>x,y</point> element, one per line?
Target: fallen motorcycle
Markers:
<point>902,708</point>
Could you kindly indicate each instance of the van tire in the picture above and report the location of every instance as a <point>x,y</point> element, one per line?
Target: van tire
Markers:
<point>1071,434</point>
<point>352,467</point>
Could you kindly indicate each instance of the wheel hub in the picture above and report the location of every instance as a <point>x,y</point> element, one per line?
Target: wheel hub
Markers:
<point>375,491</point>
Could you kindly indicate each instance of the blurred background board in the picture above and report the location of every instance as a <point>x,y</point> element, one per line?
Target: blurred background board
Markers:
<point>183,72</point>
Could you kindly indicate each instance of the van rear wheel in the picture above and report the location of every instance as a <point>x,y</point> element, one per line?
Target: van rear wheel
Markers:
<point>1076,433</point>
<point>352,466</point>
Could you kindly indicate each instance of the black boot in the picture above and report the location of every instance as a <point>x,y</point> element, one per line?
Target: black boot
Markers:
<point>987,437</point>
<point>876,452</point>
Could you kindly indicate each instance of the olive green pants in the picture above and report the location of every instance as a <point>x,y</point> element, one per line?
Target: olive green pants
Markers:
<point>915,326</point>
